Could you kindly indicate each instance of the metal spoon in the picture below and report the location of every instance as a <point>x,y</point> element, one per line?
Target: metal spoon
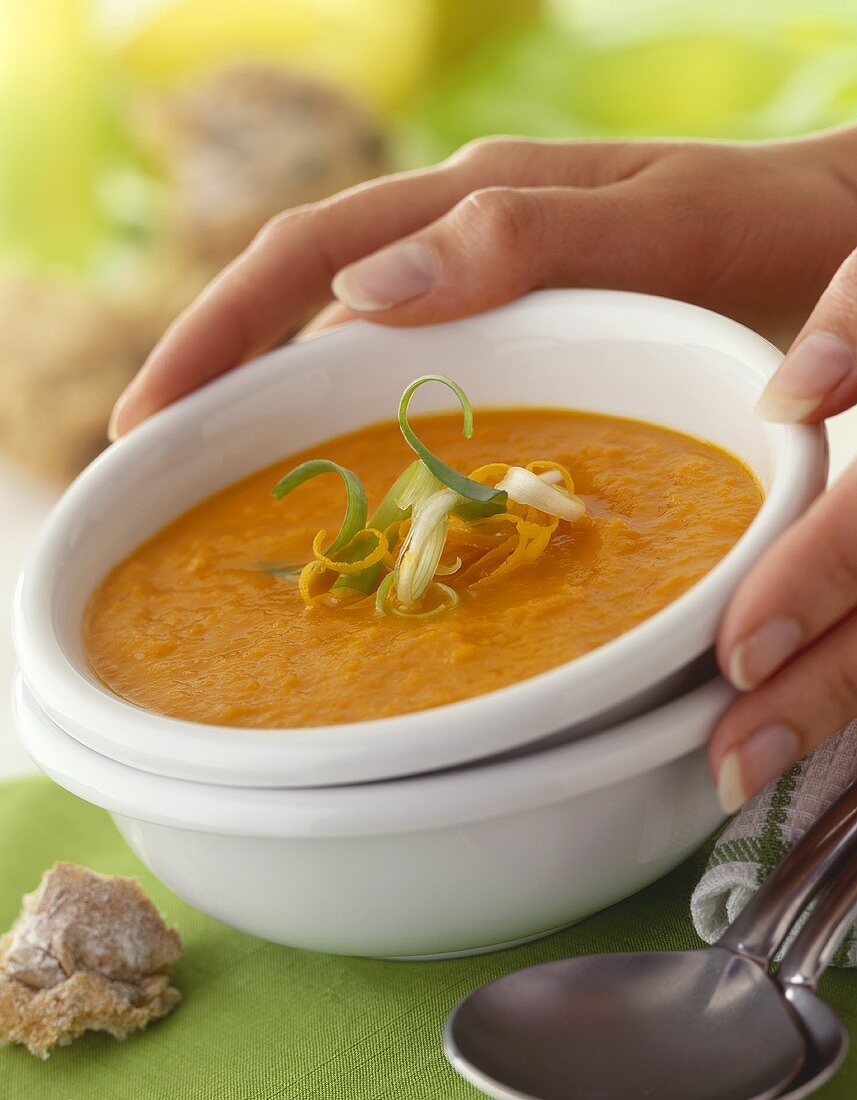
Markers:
<point>811,953</point>
<point>708,1024</point>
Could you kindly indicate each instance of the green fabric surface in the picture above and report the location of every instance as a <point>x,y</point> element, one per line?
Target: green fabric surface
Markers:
<point>262,1022</point>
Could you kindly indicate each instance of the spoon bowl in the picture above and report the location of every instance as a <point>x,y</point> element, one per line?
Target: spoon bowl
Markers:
<point>598,1026</point>
<point>826,1042</point>
<point>710,1024</point>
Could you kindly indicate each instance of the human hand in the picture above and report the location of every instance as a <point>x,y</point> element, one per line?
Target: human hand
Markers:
<point>789,636</point>
<point>753,231</point>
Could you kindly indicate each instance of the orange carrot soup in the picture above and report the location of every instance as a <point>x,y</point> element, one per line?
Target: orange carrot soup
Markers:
<point>569,529</point>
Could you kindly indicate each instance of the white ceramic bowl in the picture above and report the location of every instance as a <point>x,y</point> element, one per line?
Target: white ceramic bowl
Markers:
<point>447,863</point>
<point>610,352</point>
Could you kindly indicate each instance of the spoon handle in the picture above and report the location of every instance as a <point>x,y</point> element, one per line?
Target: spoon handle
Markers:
<point>762,926</point>
<point>816,944</point>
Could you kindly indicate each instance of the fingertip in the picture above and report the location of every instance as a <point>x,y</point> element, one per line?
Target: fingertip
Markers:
<point>730,632</point>
<point>814,369</point>
<point>732,728</point>
<point>780,409</point>
<point>132,408</point>
<point>762,652</point>
<point>118,422</point>
<point>347,289</point>
<point>735,670</point>
<point>748,765</point>
<point>730,784</point>
<point>398,273</point>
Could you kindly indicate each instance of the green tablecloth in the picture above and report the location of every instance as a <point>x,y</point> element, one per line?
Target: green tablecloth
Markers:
<point>261,1022</point>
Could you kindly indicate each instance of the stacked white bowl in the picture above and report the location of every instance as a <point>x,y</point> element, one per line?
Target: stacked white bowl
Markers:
<point>457,829</point>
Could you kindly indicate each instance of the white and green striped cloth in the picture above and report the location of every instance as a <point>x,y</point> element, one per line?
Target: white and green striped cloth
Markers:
<point>764,830</point>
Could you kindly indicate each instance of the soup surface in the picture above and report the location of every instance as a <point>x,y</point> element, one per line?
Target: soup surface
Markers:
<point>192,625</point>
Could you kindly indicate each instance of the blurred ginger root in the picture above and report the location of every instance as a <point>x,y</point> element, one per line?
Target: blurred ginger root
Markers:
<point>66,353</point>
<point>232,150</point>
<point>248,142</point>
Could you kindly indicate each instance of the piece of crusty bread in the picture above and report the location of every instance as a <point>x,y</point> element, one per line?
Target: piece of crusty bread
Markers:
<point>88,952</point>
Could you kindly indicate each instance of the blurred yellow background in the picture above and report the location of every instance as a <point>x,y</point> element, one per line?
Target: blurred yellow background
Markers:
<point>434,72</point>
<point>142,142</point>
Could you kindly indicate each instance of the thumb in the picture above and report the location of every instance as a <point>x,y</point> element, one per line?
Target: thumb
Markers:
<point>818,377</point>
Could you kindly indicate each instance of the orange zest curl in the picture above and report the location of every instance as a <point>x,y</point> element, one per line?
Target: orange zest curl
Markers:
<point>346,567</point>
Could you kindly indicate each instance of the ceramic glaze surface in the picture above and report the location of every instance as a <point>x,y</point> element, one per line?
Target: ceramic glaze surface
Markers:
<point>449,863</point>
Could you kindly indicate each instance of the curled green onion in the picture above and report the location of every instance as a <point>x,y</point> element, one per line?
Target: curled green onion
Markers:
<point>451,600</point>
<point>420,485</point>
<point>382,601</point>
<point>422,549</point>
<point>383,593</point>
<point>355,496</point>
<point>491,500</point>
<point>411,486</point>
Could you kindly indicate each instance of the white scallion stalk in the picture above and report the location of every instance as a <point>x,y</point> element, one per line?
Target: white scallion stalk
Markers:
<point>533,490</point>
<point>420,486</point>
<point>450,600</point>
<point>423,545</point>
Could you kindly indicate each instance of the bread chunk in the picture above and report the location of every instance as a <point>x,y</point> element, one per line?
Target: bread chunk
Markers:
<point>88,952</point>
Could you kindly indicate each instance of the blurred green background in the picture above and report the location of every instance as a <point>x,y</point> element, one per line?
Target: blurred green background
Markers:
<point>144,142</point>
<point>435,72</point>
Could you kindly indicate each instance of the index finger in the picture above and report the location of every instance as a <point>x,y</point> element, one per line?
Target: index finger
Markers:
<point>286,272</point>
<point>277,282</point>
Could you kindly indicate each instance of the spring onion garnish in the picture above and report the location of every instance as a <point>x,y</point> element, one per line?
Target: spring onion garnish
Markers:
<point>470,490</point>
<point>420,486</point>
<point>525,487</point>
<point>383,594</point>
<point>408,489</point>
<point>355,496</point>
<point>448,600</point>
<point>423,545</point>
<point>496,520</point>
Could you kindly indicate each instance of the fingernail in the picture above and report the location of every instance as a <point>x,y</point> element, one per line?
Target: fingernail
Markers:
<point>760,654</point>
<point>113,423</point>
<point>730,786</point>
<point>127,413</point>
<point>805,377</point>
<point>764,756</point>
<point>393,275</point>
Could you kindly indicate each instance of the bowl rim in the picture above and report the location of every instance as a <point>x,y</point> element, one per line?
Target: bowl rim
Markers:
<point>308,756</point>
<point>480,791</point>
